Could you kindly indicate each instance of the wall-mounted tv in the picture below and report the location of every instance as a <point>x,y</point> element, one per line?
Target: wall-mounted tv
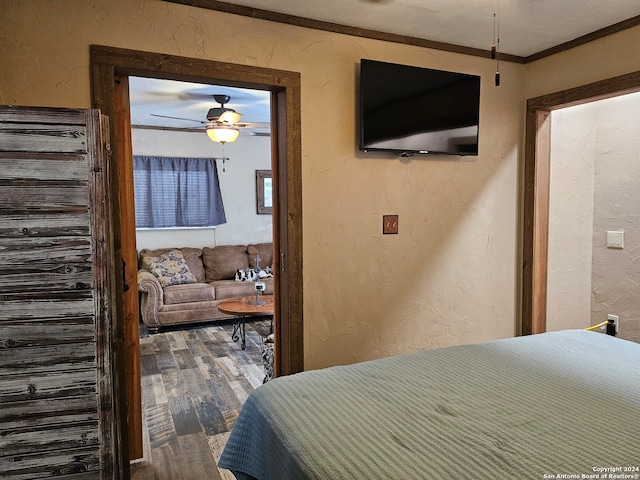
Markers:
<point>408,110</point>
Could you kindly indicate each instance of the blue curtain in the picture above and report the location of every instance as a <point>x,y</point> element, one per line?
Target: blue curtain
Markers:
<point>177,192</point>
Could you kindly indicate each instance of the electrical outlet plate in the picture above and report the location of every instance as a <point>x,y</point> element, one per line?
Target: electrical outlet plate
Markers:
<point>389,224</point>
<point>616,321</point>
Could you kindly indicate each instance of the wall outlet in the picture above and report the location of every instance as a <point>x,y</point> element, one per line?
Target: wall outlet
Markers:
<point>616,321</point>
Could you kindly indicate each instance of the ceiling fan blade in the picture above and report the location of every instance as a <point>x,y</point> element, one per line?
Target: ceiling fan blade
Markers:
<point>253,125</point>
<point>176,118</point>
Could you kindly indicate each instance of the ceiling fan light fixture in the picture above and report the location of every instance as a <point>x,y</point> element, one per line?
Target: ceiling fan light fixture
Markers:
<point>230,116</point>
<point>222,133</point>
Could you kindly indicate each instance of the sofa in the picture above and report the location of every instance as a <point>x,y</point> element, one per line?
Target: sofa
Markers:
<point>185,285</point>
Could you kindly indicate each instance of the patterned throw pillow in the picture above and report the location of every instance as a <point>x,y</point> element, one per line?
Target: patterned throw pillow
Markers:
<point>170,268</point>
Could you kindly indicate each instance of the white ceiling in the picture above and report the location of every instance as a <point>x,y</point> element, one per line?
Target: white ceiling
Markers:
<point>526,27</point>
<point>192,101</point>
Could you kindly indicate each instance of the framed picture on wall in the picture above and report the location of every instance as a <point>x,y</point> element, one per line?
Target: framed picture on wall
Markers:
<point>264,192</point>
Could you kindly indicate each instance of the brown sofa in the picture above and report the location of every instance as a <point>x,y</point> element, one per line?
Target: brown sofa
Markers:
<point>210,275</point>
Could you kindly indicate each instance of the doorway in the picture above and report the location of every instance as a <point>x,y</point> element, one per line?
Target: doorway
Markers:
<point>110,69</point>
<point>537,160</point>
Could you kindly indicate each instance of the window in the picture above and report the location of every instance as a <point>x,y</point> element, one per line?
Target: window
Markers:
<point>177,192</point>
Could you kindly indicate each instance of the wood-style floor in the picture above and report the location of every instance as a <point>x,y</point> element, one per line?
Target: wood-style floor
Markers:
<point>194,383</point>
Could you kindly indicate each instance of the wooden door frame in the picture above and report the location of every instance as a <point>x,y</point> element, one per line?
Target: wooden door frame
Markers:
<point>109,64</point>
<point>537,159</point>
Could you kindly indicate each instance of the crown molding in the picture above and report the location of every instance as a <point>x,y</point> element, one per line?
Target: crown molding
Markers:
<point>403,39</point>
<point>341,29</point>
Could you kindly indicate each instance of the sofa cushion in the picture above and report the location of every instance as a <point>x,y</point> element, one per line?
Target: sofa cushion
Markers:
<point>171,268</point>
<point>187,293</point>
<point>265,250</point>
<point>222,262</point>
<point>193,256</point>
<point>230,288</point>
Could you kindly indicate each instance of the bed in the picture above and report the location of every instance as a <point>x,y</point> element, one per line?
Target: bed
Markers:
<point>554,405</point>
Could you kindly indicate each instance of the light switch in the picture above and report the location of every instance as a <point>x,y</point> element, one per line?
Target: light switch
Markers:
<point>615,239</point>
<point>389,224</point>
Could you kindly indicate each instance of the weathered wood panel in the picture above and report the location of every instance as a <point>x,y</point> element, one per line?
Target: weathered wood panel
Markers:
<point>48,411</point>
<point>48,331</point>
<point>43,166</point>
<point>85,413</point>
<point>47,277</point>
<point>35,250</point>
<point>45,224</point>
<point>39,386</point>
<point>50,358</point>
<point>79,464</point>
<point>23,440</point>
<point>45,263</point>
<point>55,304</point>
<point>56,402</point>
<point>33,137</point>
<point>26,115</point>
<point>20,196</point>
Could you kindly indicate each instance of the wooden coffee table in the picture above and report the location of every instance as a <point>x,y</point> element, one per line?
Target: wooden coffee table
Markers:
<point>241,308</point>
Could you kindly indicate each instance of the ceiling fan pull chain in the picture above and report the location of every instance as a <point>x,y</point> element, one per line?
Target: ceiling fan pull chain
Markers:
<point>496,53</point>
<point>493,44</point>
<point>224,159</point>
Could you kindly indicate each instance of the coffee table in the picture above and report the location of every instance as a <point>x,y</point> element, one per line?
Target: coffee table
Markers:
<point>241,308</point>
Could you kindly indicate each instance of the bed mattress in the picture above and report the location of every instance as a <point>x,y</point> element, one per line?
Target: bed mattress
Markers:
<point>554,405</point>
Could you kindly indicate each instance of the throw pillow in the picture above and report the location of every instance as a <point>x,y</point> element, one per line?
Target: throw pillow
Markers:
<point>170,268</point>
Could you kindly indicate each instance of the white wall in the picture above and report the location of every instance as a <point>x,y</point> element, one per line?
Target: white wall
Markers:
<point>595,179</point>
<point>237,183</point>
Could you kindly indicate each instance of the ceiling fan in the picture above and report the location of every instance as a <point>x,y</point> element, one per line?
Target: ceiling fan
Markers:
<point>222,123</point>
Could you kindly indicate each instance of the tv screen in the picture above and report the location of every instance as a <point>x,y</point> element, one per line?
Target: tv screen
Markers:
<point>409,110</point>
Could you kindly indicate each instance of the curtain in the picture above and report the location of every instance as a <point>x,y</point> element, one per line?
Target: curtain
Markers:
<point>177,192</point>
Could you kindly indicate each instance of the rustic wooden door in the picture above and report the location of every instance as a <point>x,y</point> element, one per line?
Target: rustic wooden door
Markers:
<point>57,382</point>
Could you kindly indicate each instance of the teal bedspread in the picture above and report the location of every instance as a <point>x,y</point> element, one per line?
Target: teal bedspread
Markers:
<point>555,405</point>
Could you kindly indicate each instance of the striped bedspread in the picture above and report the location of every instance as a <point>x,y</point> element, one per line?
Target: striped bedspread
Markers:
<point>555,405</point>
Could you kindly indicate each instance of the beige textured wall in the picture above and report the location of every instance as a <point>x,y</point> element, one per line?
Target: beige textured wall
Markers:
<point>595,176</point>
<point>598,60</point>
<point>605,58</point>
<point>448,277</point>
<point>616,272</point>
<point>573,152</point>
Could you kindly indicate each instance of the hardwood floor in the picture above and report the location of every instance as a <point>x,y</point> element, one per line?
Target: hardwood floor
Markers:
<point>194,383</point>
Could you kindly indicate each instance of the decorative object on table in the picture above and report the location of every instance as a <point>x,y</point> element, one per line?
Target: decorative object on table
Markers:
<point>260,287</point>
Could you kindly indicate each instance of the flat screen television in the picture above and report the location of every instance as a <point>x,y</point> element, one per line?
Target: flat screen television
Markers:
<point>408,110</point>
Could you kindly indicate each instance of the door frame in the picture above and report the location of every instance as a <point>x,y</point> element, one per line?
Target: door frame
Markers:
<point>108,65</point>
<point>537,160</point>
